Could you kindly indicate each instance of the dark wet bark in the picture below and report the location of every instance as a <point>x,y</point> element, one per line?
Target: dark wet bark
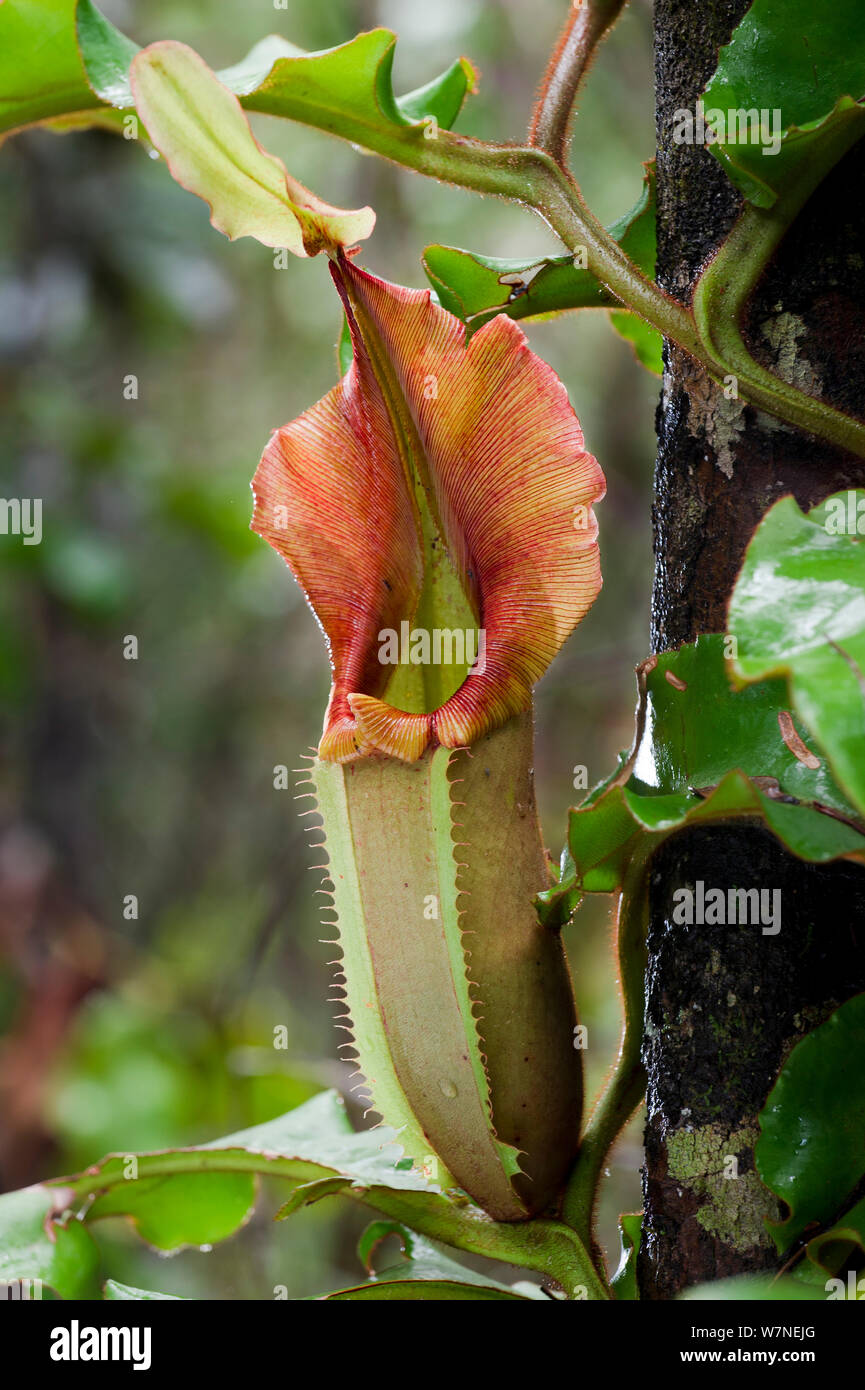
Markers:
<point>711,1061</point>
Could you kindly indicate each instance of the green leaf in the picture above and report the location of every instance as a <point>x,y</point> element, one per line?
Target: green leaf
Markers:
<point>423,1272</point>
<point>41,75</point>
<point>73,74</point>
<point>476,287</point>
<point>307,1193</point>
<point>624,1281</point>
<point>699,733</point>
<point>201,1195</point>
<point>811,1150</point>
<point>422,1291</point>
<point>41,1239</point>
<point>646,341</point>
<point>189,1209</point>
<point>605,837</point>
<point>834,1249</point>
<point>349,91</point>
<point>170,1195</point>
<point>801,59</point>
<point>198,125</point>
<point>106,55</point>
<point>41,72</point>
<point>343,89</point>
<point>119,1293</point>
<point>798,609</point>
<point>708,753</point>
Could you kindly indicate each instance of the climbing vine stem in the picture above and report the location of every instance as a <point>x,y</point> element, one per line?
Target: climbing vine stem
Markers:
<point>711,333</point>
<point>627,1082</point>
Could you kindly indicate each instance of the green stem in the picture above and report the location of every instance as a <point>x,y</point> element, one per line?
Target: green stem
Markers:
<point>729,280</point>
<point>531,177</point>
<point>627,1083</point>
<point>711,333</point>
<point>549,1248</point>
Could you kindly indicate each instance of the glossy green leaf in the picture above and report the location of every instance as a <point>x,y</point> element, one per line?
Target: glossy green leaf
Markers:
<point>811,1150</point>
<point>64,63</point>
<point>624,1281</point>
<point>41,74</point>
<point>798,608</point>
<point>604,838</point>
<point>318,1139</point>
<point>125,1293</point>
<point>699,733</point>
<point>476,287</point>
<point>106,54</point>
<point>200,128</point>
<point>41,1240</point>
<point>708,753</point>
<point>333,89</point>
<point>802,64</point>
<point>349,91</point>
<point>169,1195</point>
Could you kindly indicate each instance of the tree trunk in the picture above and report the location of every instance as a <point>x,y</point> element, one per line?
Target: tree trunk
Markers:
<point>725,1004</point>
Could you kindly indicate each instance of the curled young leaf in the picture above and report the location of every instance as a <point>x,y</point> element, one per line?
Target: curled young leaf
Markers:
<point>200,128</point>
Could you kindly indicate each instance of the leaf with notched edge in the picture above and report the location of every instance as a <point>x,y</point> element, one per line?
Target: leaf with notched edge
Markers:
<point>64,64</point>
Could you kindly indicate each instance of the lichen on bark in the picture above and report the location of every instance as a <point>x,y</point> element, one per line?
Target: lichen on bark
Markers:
<point>733,1205</point>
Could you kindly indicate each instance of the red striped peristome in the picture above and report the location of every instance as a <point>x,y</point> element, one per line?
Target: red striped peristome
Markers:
<point>481,436</point>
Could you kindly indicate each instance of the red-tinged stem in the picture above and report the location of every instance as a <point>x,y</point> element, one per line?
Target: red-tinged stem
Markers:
<point>587,23</point>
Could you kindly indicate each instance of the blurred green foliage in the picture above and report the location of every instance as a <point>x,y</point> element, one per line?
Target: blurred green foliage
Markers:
<point>155,777</point>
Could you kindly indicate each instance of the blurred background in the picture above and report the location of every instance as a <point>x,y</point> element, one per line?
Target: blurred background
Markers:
<point>153,778</point>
